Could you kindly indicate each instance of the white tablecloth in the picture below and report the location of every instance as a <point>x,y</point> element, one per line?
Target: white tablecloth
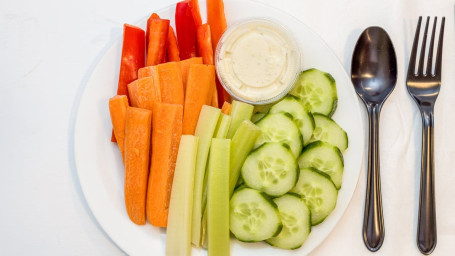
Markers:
<point>48,49</point>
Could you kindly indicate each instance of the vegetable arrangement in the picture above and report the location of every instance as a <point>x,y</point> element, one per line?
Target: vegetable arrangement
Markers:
<point>204,167</point>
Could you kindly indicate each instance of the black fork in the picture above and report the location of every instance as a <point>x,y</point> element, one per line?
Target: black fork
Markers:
<point>424,88</point>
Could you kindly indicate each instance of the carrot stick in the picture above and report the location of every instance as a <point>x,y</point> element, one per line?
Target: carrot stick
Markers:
<point>171,84</point>
<point>198,92</point>
<point>148,71</point>
<point>172,46</point>
<point>194,7</point>
<point>117,108</point>
<point>216,19</point>
<point>185,66</point>
<point>226,109</point>
<point>147,31</point>
<point>137,146</point>
<point>167,130</point>
<point>144,92</point>
<point>205,50</point>
<point>157,41</point>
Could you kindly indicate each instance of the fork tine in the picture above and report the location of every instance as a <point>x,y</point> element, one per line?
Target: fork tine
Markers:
<point>423,48</point>
<point>412,59</point>
<point>437,69</point>
<point>430,49</point>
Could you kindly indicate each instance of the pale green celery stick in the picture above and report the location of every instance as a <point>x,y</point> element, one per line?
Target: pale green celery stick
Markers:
<point>222,127</point>
<point>204,230</point>
<point>178,234</point>
<point>218,199</point>
<point>240,111</point>
<point>242,143</point>
<point>220,132</point>
<point>208,118</point>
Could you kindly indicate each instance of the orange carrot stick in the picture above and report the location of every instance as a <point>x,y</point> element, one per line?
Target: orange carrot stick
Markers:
<point>172,46</point>
<point>137,146</point>
<point>157,41</point>
<point>185,66</point>
<point>205,50</point>
<point>171,84</point>
<point>144,92</point>
<point>198,92</point>
<point>226,109</point>
<point>216,20</point>
<point>117,108</point>
<point>148,71</point>
<point>167,130</point>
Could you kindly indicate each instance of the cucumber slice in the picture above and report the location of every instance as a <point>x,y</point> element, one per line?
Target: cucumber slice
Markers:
<point>280,128</point>
<point>296,219</point>
<point>254,215</point>
<point>257,117</point>
<point>325,158</point>
<point>302,118</point>
<point>329,131</point>
<point>318,192</point>
<point>317,91</point>
<point>271,168</point>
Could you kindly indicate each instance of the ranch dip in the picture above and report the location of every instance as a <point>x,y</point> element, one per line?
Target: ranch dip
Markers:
<point>257,61</point>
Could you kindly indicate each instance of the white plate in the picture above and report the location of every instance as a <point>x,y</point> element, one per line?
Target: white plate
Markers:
<point>100,168</point>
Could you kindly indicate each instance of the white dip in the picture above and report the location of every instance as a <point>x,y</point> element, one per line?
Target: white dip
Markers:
<point>257,61</point>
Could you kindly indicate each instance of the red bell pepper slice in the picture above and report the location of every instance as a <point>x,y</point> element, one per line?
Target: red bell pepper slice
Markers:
<point>194,6</point>
<point>133,58</point>
<point>186,30</point>
<point>204,44</point>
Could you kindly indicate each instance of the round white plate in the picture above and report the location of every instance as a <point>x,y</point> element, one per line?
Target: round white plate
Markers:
<point>99,164</point>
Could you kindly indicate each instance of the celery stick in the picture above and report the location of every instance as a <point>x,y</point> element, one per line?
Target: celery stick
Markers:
<point>178,235</point>
<point>222,127</point>
<point>208,119</point>
<point>240,111</point>
<point>242,143</point>
<point>218,198</point>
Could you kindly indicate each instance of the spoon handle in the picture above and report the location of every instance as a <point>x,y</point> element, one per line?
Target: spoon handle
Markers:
<point>426,228</point>
<point>373,222</point>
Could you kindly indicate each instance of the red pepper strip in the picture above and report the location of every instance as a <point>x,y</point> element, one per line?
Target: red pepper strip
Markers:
<point>158,33</point>
<point>194,6</point>
<point>186,30</point>
<point>133,58</point>
<point>204,44</point>
<point>172,46</point>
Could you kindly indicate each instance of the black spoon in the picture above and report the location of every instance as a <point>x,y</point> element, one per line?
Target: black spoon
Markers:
<point>374,75</point>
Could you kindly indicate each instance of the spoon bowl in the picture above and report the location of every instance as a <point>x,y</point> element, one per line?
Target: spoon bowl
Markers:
<point>374,75</point>
<point>374,66</point>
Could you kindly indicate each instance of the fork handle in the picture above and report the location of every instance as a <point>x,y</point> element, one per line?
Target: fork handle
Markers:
<point>373,222</point>
<point>426,229</point>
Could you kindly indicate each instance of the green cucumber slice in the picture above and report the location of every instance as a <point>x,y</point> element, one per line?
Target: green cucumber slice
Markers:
<point>325,158</point>
<point>296,219</point>
<point>253,215</point>
<point>271,168</point>
<point>302,118</point>
<point>280,128</point>
<point>317,91</point>
<point>318,192</point>
<point>329,131</point>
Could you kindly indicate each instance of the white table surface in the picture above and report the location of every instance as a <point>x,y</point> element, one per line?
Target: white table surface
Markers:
<point>49,48</point>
